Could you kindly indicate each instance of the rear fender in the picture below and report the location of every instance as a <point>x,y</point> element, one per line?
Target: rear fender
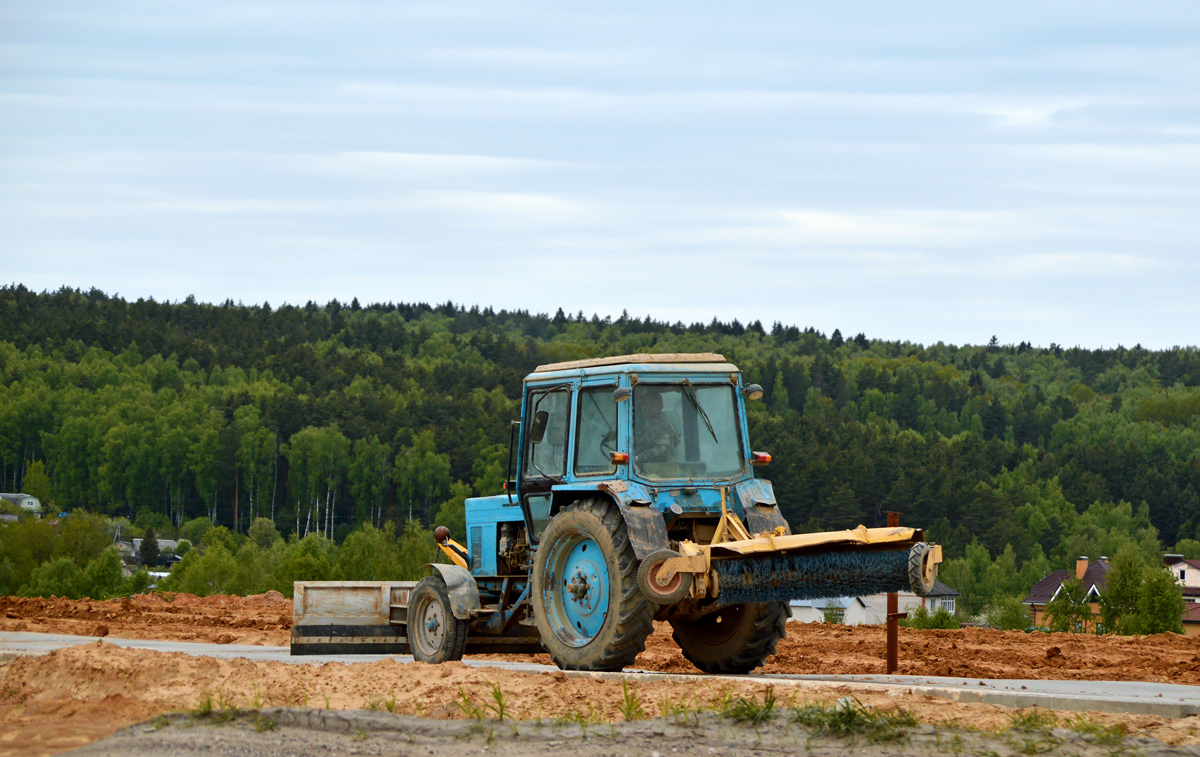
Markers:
<point>461,586</point>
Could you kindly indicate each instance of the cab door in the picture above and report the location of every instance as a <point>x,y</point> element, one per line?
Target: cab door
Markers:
<point>545,440</point>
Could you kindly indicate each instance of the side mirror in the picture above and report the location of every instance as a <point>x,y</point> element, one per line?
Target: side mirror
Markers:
<point>621,393</point>
<point>753,392</point>
<point>537,431</point>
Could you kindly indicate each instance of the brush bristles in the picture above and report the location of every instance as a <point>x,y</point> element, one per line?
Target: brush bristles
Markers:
<point>819,576</point>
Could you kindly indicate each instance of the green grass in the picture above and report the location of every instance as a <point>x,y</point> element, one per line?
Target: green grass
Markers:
<point>1097,732</point>
<point>631,703</point>
<point>750,711</point>
<point>849,718</point>
<point>204,706</point>
<point>1033,720</point>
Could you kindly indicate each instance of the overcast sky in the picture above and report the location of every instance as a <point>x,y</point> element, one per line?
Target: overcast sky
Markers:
<point>919,171</point>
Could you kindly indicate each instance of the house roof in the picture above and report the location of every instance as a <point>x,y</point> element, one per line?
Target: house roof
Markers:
<point>1044,590</point>
<point>1192,614</point>
<point>1096,576</point>
<point>941,590</point>
<point>1095,579</point>
<point>638,359</point>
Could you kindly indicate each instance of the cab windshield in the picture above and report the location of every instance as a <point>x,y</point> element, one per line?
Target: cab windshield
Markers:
<point>686,431</point>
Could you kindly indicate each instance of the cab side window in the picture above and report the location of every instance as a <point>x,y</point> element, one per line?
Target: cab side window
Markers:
<point>548,457</point>
<point>596,437</point>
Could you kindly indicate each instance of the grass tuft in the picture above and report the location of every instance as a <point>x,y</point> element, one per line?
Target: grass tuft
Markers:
<point>849,718</point>
<point>1097,732</point>
<point>631,703</point>
<point>750,711</point>
<point>204,706</point>
<point>1032,720</point>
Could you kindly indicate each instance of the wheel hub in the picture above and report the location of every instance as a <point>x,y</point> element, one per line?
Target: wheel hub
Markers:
<point>429,627</point>
<point>579,600</point>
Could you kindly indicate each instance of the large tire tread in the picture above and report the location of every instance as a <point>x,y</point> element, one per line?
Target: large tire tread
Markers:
<point>635,613</point>
<point>768,628</point>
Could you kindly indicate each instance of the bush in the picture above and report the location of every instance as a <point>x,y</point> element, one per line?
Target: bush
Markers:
<point>147,518</point>
<point>921,618</point>
<point>252,574</point>
<point>369,554</point>
<point>83,536</point>
<point>222,536</point>
<point>195,529</point>
<point>1069,611</point>
<point>1008,614</point>
<point>59,577</point>
<point>210,573</point>
<point>104,577</point>
<point>1160,603</point>
<point>263,533</point>
<point>306,559</point>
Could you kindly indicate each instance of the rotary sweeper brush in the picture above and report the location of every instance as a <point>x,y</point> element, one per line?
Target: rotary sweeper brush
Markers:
<point>634,499</point>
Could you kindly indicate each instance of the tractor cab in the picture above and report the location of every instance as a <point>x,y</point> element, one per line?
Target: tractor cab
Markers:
<point>662,434</point>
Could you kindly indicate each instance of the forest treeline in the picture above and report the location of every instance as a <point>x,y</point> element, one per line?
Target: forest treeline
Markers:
<point>324,417</point>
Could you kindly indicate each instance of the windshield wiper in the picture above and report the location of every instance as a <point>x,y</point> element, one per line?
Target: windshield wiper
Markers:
<point>691,395</point>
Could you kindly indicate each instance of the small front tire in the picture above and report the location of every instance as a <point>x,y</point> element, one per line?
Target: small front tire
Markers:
<point>434,634</point>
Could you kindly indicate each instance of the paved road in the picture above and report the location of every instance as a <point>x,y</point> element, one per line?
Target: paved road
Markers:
<point>1167,700</point>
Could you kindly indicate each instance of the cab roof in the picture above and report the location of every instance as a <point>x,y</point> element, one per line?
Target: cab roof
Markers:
<point>641,358</point>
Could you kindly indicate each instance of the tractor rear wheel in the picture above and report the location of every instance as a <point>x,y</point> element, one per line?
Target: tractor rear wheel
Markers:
<point>434,634</point>
<point>733,639</point>
<point>586,601</point>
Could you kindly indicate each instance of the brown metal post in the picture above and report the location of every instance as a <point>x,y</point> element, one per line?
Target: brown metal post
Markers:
<point>893,614</point>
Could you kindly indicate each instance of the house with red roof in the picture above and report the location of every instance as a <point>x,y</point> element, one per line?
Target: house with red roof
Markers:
<point>1094,578</point>
<point>1092,575</point>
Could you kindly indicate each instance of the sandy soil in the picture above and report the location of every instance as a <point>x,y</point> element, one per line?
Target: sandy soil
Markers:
<point>967,653</point>
<point>260,619</point>
<point>808,648</point>
<point>74,696</point>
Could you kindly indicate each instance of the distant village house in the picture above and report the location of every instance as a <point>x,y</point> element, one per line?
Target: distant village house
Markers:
<point>26,502</point>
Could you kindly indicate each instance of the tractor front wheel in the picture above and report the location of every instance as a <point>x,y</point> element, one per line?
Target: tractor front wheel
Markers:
<point>733,639</point>
<point>589,610</point>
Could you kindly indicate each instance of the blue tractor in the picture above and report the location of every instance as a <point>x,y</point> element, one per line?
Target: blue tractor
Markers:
<point>635,499</point>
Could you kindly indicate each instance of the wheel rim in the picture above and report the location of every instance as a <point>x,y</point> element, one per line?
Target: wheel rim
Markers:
<point>576,595</point>
<point>429,624</point>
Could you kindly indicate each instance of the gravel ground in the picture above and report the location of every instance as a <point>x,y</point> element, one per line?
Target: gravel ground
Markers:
<point>280,732</point>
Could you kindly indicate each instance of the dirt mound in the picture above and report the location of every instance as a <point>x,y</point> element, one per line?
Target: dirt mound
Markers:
<point>76,695</point>
<point>818,648</point>
<point>259,619</point>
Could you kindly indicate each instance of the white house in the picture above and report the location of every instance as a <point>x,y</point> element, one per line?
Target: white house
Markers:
<point>850,611</point>
<point>1186,573</point>
<point>942,596</point>
<point>26,502</point>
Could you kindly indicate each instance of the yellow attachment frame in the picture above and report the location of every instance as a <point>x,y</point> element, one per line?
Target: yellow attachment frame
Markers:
<point>456,552</point>
<point>732,539</point>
